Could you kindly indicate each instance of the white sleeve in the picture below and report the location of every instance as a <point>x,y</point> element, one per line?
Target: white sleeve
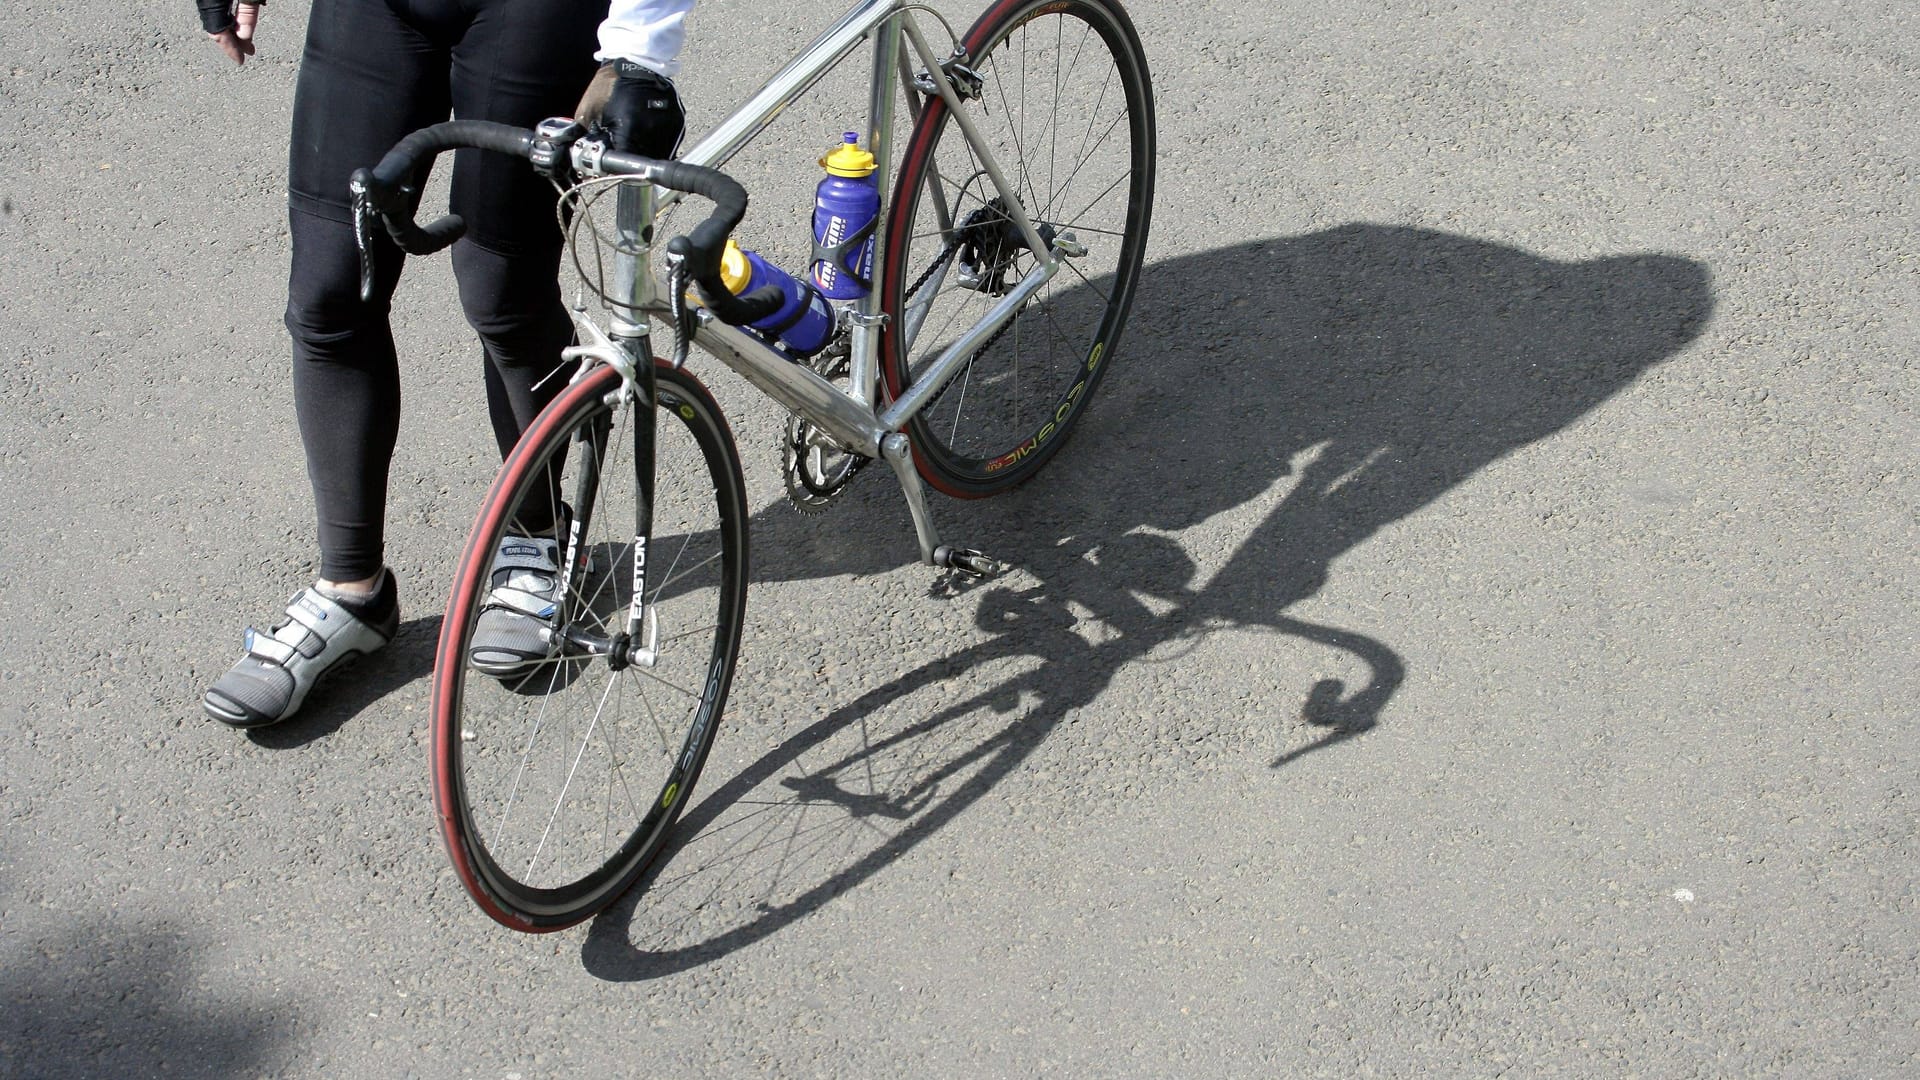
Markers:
<point>648,32</point>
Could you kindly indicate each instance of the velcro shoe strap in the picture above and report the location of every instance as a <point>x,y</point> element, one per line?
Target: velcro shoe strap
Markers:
<point>318,614</point>
<point>270,649</point>
<point>519,553</point>
<point>522,601</point>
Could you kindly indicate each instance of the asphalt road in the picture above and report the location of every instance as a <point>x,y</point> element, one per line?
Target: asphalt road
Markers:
<point>1474,632</point>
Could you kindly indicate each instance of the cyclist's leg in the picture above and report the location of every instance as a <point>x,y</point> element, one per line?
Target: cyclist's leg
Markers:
<point>359,62</point>
<point>516,62</point>
<point>366,80</point>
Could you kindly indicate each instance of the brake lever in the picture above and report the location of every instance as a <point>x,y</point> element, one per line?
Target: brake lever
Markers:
<point>682,314</point>
<point>363,214</point>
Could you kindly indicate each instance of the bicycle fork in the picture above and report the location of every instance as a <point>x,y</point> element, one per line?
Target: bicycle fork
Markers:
<point>628,351</point>
<point>638,639</point>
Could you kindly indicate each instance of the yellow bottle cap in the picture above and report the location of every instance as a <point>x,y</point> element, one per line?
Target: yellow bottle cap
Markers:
<point>848,159</point>
<point>735,271</point>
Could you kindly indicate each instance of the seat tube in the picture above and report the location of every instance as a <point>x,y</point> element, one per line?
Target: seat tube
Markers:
<point>865,343</point>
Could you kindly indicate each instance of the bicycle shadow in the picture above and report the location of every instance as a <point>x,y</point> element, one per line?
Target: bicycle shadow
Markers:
<point>1344,380</point>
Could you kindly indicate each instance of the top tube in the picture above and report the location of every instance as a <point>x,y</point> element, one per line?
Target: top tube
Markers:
<point>801,73</point>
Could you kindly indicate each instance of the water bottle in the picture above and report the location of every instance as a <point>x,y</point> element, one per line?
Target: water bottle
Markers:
<point>845,208</point>
<point>804,322</point>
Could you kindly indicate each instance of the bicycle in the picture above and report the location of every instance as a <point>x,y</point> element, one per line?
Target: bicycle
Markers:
<point>964,368</point>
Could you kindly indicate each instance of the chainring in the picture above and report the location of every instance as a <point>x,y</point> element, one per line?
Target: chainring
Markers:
<point>815,471</point>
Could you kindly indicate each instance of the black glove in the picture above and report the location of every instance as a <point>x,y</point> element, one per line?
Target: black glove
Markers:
<point>641,113</point>
<point>215,15</point>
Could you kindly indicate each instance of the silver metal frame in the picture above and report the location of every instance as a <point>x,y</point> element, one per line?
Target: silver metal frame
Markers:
<point>852,418</point>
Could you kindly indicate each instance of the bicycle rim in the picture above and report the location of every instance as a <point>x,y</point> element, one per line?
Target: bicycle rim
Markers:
<point>556,786</point>
<point>1066,109</point>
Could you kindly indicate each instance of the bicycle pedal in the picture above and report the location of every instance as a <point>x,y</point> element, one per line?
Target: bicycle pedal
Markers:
<point>968,561</point>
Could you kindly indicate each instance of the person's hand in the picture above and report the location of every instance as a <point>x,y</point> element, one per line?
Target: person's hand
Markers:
<point>237,40</point>
<point>593,103</point>
<point>638,108</point>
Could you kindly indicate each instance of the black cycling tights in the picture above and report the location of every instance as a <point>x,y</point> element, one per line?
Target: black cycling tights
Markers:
<point>373,71</point>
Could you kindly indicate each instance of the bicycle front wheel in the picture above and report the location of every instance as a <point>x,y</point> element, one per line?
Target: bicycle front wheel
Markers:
<point>1065,106</point>
<point>556,783</point>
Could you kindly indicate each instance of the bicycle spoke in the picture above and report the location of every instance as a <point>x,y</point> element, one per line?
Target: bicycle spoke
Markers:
<point>1082,152</point>
<point>568,784</point>
<point>1088,282</point>
<point>1083,161</point>
<point>666,741</point>
<point>616,771</point>
<point>644,673</point>
<point>708,561</point>
<point>698,630</point>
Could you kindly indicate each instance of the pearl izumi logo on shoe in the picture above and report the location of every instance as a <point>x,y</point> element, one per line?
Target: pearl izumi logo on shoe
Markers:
<point>520,551</point>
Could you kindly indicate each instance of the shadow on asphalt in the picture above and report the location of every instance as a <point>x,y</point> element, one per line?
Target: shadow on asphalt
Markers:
<point>1344,379</point>
<point>342,695</point>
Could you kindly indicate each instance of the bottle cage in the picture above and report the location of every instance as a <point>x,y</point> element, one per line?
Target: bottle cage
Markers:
<point>837,255</point>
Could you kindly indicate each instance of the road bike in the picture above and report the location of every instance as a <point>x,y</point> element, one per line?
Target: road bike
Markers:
<point>1007,249</point>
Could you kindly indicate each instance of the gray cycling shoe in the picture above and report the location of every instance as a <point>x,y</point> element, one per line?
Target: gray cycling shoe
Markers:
<point>281,666</point>
<point>509,637</point>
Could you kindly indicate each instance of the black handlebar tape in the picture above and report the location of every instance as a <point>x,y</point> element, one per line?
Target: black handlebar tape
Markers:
<point>761,303</point>
<point>701,248</point>
<point>384,182</point>
<point>741,310</point>
<point>728,197</point>
<point>704,268</point>
<point>397,167</point>
<point>425,240</point>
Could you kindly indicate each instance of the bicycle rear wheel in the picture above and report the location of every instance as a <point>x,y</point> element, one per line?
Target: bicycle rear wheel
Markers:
<point>1066,108</point>
<point>556,785</point>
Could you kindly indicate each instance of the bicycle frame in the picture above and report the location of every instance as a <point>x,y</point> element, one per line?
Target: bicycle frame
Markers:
<point>854,418</point>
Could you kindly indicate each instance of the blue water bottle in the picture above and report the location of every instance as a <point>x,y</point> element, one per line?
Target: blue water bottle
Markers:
<point>846,206</point>
<point>804,322</point>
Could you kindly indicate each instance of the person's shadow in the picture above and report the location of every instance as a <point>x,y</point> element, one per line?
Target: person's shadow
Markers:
<point>1321,387</point>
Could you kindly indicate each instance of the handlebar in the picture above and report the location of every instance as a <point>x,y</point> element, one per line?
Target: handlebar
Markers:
<point>556,147</point>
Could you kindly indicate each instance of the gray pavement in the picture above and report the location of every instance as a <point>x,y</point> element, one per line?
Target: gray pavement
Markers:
<point>1474,632</point>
